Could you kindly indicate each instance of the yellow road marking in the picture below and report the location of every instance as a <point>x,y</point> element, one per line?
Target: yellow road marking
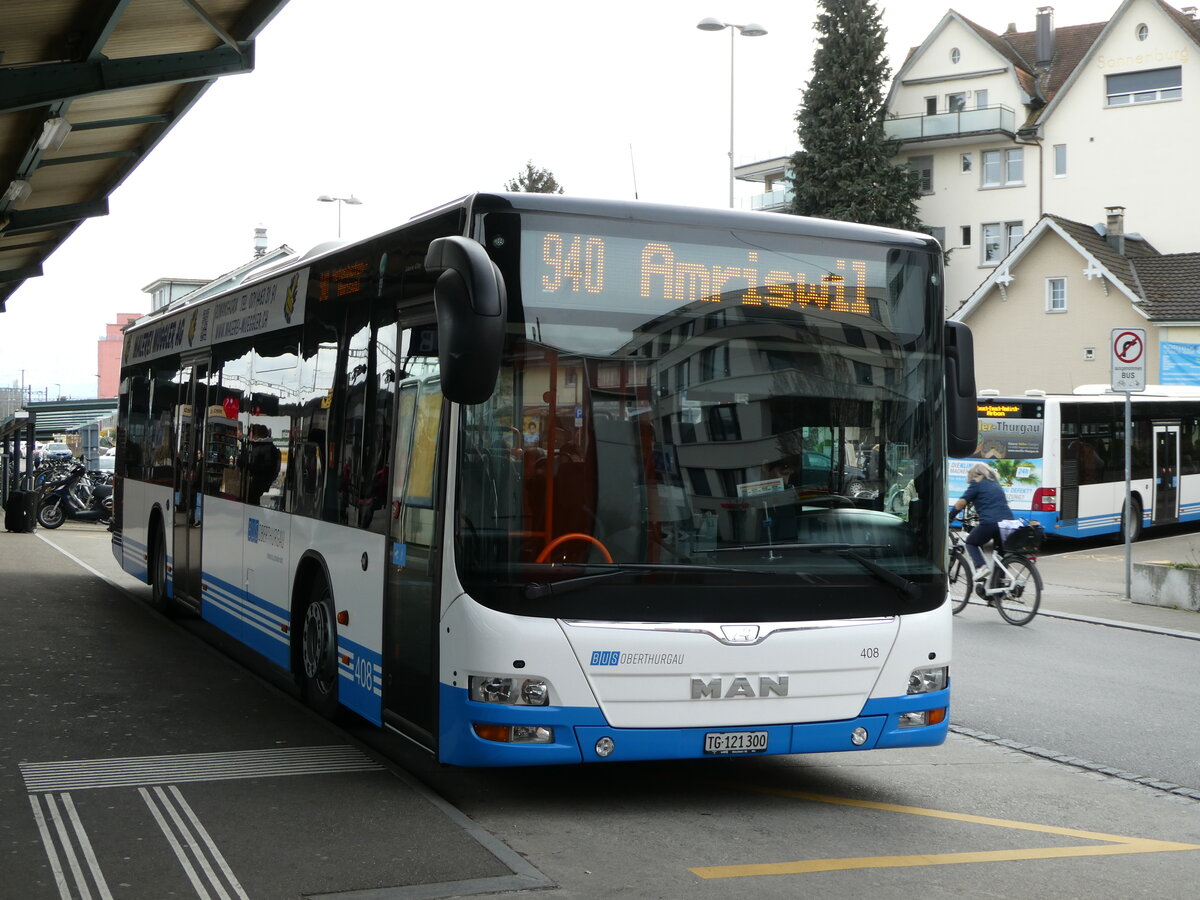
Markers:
<point>1114,844</point>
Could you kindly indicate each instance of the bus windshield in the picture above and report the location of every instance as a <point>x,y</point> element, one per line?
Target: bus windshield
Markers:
<point>706,424</point>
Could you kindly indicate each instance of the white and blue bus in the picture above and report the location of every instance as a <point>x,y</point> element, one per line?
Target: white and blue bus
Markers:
<point>533,479</point>
<point>1061,457</point>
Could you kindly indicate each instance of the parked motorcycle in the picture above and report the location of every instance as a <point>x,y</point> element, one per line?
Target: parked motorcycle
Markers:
<point>74,495</point>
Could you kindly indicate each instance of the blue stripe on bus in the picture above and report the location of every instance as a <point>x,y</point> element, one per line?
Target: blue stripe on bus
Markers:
<point>577,729</point>
<point>254,621</point>
<point>360,679</point>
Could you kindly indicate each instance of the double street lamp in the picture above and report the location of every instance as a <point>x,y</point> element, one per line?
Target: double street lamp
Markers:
<point>352,200</point>
<point>750,30</point>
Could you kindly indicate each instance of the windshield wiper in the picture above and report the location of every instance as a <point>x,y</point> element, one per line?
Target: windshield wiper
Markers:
<point>539,590</point>
<point>903,586</point>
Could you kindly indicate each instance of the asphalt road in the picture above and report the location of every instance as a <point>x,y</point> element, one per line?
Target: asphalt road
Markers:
<point>1121,698</point>
<point>103,679</point>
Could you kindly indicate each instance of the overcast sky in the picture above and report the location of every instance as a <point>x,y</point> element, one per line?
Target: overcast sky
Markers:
<point>410,105</point>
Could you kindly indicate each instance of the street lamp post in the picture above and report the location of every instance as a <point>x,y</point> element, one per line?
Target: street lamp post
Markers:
<point>749,30</point>
<point>352,200</point>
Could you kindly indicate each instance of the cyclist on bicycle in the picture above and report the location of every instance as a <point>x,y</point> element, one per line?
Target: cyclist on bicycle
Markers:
<point>983,490</point>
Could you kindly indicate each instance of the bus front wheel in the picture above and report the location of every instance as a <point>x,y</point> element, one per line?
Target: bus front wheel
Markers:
<point>319,677</point>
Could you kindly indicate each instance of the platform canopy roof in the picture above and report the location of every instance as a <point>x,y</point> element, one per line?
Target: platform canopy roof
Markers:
<point>87,89</point>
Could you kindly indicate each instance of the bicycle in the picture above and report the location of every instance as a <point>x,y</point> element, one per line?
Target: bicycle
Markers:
<point>1013,585</point>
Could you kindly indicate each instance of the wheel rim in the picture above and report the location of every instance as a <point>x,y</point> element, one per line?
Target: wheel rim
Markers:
<point>318,647</point>
<point>52,515</point>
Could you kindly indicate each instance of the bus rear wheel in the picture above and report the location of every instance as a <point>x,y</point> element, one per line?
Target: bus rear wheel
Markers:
<point>158,573</point>
<point>1135,532</point>
<point>318,642</point>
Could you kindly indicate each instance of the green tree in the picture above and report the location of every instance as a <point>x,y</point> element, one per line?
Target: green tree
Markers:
<point>534,181</point>
<point>843,169</point>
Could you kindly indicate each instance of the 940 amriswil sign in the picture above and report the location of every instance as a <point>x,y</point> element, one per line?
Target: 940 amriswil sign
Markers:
<point>1128,359</point>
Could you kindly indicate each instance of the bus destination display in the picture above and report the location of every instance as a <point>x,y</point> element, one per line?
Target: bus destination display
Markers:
<point>633,275</point>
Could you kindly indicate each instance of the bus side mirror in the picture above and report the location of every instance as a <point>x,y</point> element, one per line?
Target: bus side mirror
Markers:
<point>962,411</point>
<point>471,306</point>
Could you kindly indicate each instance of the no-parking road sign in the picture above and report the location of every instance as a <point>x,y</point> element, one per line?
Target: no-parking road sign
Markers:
<point>1128,359</point>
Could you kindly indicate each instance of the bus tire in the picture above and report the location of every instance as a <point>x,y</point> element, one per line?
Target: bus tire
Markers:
<point>1136,532</point>
<point>318,652</point>
<point>157,573</point>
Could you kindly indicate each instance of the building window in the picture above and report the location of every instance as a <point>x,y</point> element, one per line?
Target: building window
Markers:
<point>981,99</point>
<point>1003,168</point>
<point>931,106</point>
<point>1143,31</point>
<point>923,166</point>
<point>938,233</point>
<point>966,235</point>
<point>1056,295</point>
<point>1060,160</point>
<point>999,238</point>
<point>956,102</point>
<point>1144,87</point>
<point>965,161</point>
<point>955,56</point>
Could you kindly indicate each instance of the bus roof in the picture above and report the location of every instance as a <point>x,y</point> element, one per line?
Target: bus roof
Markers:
<point>1100,392</point>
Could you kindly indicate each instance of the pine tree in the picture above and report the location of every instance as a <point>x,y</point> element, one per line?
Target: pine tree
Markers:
<point>844,169</point>
<point>534,181</point>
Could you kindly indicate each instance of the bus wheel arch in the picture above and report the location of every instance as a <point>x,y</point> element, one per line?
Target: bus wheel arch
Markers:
<point>314,637</point>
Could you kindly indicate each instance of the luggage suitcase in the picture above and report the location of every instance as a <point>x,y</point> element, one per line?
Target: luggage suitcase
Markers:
<point>19,511</point>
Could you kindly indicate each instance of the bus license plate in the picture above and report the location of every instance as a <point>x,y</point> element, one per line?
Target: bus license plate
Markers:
<point>735,742</point>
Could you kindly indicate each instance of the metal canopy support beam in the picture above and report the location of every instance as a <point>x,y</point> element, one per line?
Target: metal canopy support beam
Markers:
<point>88,157</point>
<point>26,221</point>
<point>20,274</point>
<point>33,86</point>
<point>121,123</point>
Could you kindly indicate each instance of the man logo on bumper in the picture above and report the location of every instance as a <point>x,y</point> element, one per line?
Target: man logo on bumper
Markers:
<point>739,687</point>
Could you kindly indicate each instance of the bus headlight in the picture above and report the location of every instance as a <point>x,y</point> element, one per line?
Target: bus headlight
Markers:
<point>926,681</point>
<point>508,690</point>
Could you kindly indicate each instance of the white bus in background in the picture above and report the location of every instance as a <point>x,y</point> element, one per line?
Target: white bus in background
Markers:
<point>1061,457</point>
<point>533,479</point>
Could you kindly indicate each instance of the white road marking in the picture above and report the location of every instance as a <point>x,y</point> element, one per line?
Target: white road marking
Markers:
<point>68,848</point>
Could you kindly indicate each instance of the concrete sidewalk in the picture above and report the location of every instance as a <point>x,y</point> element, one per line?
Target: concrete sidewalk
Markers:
<point>1088,583</point>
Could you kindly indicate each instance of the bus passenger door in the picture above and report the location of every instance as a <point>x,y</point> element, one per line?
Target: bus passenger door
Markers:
<point>189,482</point>
<point>411,607</point>
<point>1166,474</point>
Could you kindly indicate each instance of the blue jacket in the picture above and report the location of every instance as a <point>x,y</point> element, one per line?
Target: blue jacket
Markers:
<point>989,500</point>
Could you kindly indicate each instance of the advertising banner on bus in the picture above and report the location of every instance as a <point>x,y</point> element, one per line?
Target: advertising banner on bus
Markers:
<point>266,306</point>
<point>1011,437</point>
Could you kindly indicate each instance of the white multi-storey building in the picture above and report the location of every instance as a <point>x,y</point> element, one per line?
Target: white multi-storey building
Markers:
<point>1005,128</point>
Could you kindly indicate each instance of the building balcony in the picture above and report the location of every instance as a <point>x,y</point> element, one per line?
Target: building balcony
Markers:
<point>778,200</point>
<point>961,126</point>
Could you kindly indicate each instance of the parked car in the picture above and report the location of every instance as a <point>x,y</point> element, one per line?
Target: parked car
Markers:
<point>58,450</point>
<point>816,467</point>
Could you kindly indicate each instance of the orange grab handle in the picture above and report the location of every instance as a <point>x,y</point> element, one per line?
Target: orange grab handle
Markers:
<point>573,536</point>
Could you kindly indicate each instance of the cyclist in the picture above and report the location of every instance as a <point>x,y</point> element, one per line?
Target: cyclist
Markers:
<point>983,490</point>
